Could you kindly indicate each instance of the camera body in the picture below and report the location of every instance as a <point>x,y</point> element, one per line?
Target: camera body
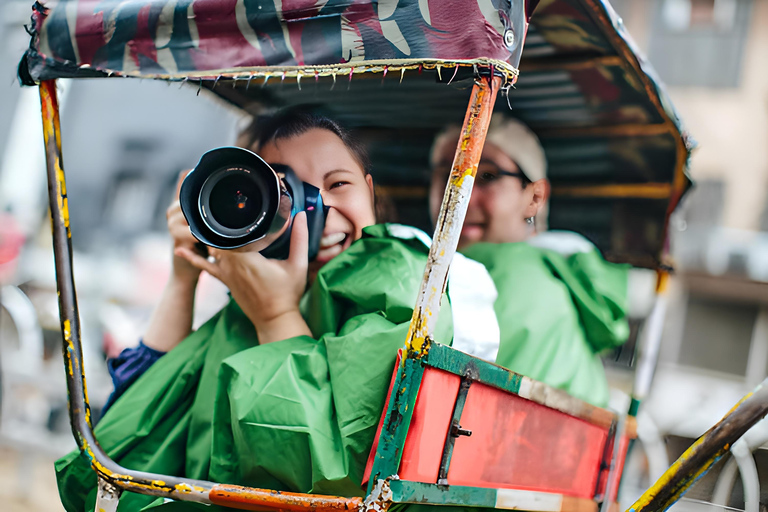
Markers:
<point>233,198</point>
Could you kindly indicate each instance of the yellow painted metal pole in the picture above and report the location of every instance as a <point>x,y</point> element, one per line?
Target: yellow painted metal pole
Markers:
<point>452,213</point>
<point>704,452</point>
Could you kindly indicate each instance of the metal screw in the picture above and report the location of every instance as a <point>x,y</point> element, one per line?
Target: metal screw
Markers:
<point>457,431</point>
<point>509,37</point>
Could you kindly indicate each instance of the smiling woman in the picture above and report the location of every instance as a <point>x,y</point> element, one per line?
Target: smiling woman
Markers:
<point>323,154</point>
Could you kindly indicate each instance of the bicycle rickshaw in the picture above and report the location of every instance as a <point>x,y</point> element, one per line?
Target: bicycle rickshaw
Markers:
<point>402,70</point>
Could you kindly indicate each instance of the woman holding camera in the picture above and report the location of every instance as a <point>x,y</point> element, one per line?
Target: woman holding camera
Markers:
<point>282,389</point>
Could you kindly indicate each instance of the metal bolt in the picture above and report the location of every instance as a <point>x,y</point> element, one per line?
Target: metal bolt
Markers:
<point>509,37</point>
<point>457,431</point>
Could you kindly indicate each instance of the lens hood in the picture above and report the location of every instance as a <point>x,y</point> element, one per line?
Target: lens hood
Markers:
<point>232,198</point>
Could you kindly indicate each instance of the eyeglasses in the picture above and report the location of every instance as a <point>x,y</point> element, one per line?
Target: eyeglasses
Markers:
<point>489,176</point>
<point>489,173</point>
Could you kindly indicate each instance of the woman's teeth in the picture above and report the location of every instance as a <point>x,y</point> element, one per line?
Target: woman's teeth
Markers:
<point>332,239</point>
<point>331,246</point>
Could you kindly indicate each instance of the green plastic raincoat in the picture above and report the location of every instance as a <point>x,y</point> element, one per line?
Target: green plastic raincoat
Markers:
<point>556,313</point>
<point>306,409</point>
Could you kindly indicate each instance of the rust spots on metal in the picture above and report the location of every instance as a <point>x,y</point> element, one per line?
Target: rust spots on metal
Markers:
<point>380,498</point>
<point>244,498</point>
<point>452,213</point>
<point>705,452</point>
<point>418,342</point>
<point>52,137</point>
<point>185,488</point>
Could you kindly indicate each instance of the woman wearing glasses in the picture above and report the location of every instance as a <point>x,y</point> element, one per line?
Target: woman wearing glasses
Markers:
<point>559,303</point>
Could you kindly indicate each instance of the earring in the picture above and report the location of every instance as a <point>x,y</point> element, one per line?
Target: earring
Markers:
<point>529,220</point>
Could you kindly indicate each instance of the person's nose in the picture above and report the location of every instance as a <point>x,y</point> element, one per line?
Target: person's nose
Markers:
<point>334,221</point>
<point>327,199</point>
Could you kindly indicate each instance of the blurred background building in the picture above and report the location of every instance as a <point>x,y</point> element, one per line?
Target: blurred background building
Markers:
<point>122,171</point>
<point>711,55</point>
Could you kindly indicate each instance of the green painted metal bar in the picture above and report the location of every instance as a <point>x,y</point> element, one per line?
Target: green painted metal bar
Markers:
<point>402,402</point>
<point>416,492</point>
<point>455,430</point>
<point>505,499</point>
<point>458,363</point>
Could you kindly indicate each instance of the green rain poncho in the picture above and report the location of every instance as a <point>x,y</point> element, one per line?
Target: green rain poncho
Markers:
<point>305,410</point>
<point>557,312</point>
<point>301,414</point>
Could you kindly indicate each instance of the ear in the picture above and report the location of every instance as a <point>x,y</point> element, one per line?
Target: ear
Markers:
<point>539,194</point>
<point>369,181</point>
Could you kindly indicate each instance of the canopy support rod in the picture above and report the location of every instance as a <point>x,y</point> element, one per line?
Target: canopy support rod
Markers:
<point>452,213</point>
<point>618,130</point>
<point>420,333</point>
<point>112,477</point>
<point>633,190</point>
<point>704,452</point>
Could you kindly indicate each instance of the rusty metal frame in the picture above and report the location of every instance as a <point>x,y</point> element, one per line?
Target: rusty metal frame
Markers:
<point>113,478</point>
<point>704,452</point>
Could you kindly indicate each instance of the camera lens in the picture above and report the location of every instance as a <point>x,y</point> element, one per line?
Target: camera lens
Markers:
<point>233,198</point>
<point>233,201</point>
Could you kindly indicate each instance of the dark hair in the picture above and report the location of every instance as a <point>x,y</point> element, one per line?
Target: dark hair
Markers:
<point>524,181</point>
<point>291,123</point>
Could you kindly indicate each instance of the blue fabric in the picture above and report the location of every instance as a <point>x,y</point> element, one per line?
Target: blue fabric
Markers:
<point>129,366</point>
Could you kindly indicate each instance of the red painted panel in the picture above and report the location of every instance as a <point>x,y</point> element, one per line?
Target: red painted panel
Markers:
<point>621,459</point>
<point>432,414</point>
<point>517,443</point>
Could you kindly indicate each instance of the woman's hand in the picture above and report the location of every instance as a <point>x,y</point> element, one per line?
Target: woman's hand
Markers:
<point>267,290</point>
<point>183,271</point>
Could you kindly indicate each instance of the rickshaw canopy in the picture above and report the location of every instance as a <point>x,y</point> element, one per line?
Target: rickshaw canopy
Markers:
<point>616,150</point>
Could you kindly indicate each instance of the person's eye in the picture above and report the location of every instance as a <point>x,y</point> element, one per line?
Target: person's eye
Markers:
<point>487,177</point>
<point>337,184</point>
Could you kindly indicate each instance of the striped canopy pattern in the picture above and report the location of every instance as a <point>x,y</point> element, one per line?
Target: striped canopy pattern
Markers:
<point>202,38</point>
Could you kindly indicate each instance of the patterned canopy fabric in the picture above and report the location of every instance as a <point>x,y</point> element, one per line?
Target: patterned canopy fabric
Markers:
<point>616,150</point>
<point>171,38</point>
